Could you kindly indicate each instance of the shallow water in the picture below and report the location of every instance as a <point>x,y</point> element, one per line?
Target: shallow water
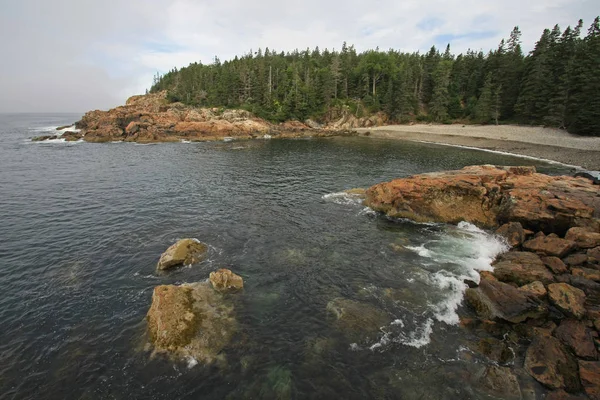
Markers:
<point>83,226</point>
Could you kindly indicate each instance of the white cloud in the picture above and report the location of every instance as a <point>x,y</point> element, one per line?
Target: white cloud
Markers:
<point>74,55</point>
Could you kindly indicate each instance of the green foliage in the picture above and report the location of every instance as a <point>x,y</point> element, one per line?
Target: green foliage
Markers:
<point>557,84</point>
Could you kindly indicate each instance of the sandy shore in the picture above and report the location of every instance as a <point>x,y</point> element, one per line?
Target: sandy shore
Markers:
<point>550,144</point>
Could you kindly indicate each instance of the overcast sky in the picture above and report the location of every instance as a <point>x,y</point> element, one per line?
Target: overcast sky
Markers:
<point>77,55</point>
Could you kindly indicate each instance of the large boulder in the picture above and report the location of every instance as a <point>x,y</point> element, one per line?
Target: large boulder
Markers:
<point>550,363</point>
<point>190,321</point>
<point>490,196</point>
<point>577,337</point>
<point>224,280</point>
<point>550,246</point>
<point>570,300</point>
<point>501,381</point>
<point>522,268</point>
<point>184,252</point>
<point>583,237</point>
<point>498,300</point>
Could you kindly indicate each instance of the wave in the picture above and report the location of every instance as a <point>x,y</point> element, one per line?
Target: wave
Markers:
<point>453,255</point>
<point>343,198</point>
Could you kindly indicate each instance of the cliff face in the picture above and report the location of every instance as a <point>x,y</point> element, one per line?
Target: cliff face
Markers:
<point>150,118</point>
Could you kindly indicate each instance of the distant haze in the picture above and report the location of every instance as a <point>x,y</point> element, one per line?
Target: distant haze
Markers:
<point>77,55</point>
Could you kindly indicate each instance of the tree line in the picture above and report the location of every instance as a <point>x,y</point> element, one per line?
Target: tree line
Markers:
<point>557,84</point>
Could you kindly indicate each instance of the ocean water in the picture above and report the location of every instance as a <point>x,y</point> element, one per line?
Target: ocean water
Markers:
<point>83,225</point>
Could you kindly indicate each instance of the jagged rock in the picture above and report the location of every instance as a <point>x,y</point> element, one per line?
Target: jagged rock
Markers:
<point>590,378</point>
<point>521,268</point>
<point>71,136</point>
<point>555,264</point>
<point>190,320</point>
<point>576,336</point>
<point>498,300</point>
<point>490,196</point>
<point>184,252</point>
<point>574,260</point>
<point>501,381</point>
<point>495,350</point>
<point>513,233</point>
<point>551,246</point>
<point>583,237</point>
<point>587,273</point>
<point>225,280</point>
<point>536,289</point>
<point>567,298</point>
<point>357,320</point>
<point>549,363</point>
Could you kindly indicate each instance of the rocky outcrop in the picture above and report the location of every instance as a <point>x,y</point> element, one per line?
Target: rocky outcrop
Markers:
<point>191,321</point>
<point>491,196</point>
<point>224,280</point>
<point>150,118</point>
<point>184,252</point>
<point>544,295</point>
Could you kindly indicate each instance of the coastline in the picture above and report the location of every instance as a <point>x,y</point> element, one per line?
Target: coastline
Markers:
<point>540,143</point>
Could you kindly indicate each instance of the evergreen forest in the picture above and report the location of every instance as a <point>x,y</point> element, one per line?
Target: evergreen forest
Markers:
<point>557,84</point>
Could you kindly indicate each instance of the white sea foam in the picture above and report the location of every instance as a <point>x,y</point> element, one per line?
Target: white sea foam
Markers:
<point>419,337</point>
<point>420,250</point>
<point>185,141</point>
<point>453,255</point>
<point>343,198</point>
<point>191,362</point>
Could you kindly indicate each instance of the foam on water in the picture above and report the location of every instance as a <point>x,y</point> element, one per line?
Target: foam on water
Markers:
<point>453,254</point>
<point>343,198</point>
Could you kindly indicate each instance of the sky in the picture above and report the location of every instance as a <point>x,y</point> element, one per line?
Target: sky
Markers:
<point>79,55</point>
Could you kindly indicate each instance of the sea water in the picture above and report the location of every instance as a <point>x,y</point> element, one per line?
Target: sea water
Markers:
<point>83,225</point>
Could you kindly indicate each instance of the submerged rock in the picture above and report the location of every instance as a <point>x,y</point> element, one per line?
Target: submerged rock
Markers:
<point>225,280</point>
<point>184,252</point>
<point>501,381</point>
<point>550,363</point>
<point>191,320</point>
<point>490,196</point>
<point>356,319</point>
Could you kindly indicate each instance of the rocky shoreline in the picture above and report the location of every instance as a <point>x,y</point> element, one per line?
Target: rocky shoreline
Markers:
<point>537,315</point>
<point>150,119</point>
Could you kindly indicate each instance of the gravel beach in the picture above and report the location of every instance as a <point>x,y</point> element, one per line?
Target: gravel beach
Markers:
<point>546,143</point>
